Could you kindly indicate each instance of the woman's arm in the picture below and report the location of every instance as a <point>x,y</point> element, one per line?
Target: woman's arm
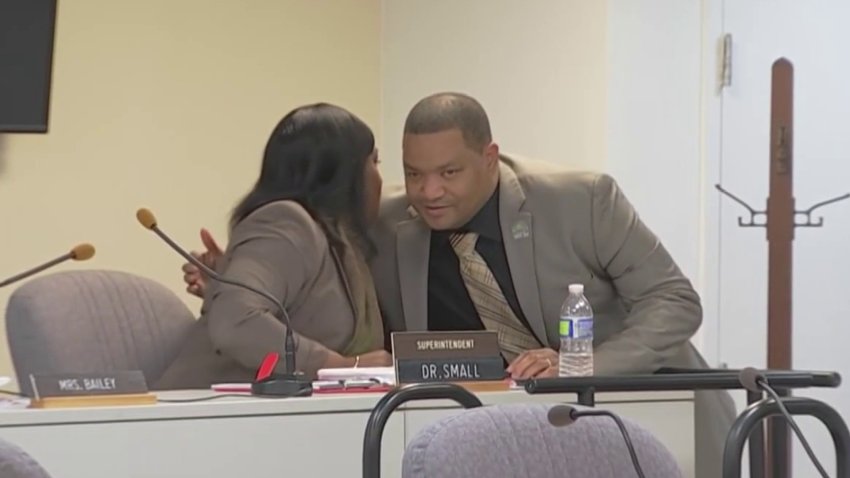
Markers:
<point>278,248</point>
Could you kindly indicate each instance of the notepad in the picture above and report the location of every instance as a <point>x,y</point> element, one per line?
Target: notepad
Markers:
<point>319,386</point>
<point>350,386</point>
<point>383,375</point>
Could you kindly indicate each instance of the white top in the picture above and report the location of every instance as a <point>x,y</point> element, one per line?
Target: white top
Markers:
<point>577,289</point>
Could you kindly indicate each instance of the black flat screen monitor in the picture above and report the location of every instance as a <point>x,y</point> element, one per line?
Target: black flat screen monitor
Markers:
<point>26,62</point>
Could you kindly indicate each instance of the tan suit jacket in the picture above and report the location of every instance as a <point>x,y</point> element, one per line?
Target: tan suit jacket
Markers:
<point>280,249</point>
<point>559,228</point>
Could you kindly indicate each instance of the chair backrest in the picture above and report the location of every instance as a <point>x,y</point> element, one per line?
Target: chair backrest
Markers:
<point>518,441</point>
<point>94,321</point>
<point>16,463</point>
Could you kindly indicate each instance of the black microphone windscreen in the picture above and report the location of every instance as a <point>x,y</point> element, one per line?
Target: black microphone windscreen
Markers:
<point>561,415</point>
<point>749,378</point>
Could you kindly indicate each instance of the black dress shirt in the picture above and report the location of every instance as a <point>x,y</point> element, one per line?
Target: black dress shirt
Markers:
<point>449,305</point>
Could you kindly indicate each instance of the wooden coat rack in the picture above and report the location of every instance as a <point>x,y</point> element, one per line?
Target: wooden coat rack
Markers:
<point>780,223</point>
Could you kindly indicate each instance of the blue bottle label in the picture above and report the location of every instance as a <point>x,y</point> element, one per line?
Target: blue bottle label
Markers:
<point>584,328</point>
<point>576,328</point>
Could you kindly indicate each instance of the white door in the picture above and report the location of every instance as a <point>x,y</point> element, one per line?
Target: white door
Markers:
<point>814,36</point>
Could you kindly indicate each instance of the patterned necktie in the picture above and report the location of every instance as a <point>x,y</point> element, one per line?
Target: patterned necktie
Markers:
<point>493,309</point>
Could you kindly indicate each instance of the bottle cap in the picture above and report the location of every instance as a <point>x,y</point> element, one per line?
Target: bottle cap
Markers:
<point>576,289</point>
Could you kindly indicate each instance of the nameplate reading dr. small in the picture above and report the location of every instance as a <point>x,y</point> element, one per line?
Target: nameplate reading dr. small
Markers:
<point>83,384</point>
<point>447,356</point>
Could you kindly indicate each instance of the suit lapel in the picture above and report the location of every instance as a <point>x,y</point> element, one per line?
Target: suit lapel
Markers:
<point>517,236</point>
<point>413,244</point>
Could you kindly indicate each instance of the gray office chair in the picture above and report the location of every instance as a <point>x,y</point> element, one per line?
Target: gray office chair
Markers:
<point>518,441</point>
<point>16,463</point>
<point>94,321</point>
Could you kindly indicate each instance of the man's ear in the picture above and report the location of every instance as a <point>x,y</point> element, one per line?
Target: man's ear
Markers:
<point>491,153</point>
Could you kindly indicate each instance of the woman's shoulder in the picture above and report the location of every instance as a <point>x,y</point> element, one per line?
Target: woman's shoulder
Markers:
<point>285,217</point>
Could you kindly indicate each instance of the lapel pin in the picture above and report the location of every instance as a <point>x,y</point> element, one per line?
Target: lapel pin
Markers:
<point>520,230</point>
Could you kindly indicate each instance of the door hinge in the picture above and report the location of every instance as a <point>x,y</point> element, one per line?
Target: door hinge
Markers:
<point>726,61</point>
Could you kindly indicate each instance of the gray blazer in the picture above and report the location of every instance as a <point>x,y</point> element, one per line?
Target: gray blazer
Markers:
<point>278,248</point>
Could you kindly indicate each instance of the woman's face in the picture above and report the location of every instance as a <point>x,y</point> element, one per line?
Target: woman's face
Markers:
<point>373,187</point>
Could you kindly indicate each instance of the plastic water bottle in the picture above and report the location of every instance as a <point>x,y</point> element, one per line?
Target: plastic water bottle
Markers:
<point>576,330</point>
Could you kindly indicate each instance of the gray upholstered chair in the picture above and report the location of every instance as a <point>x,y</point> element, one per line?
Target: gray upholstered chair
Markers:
<point>16,463</point>
<point>94,321</point>
<point>518,441</point>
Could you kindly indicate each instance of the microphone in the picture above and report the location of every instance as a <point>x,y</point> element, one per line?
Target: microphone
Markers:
<point>756,382</point>
<point>81,252</point>
<point>565,415</point>
<point>289,384</point>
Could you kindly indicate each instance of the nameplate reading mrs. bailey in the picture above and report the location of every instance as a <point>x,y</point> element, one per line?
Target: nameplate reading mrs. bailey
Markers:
<point>447,356</point>
<point>80,384</point>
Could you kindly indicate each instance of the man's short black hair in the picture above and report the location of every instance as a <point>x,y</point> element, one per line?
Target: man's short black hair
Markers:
<point>445,111</point>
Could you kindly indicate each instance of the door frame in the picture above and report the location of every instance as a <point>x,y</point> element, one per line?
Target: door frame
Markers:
<point>711,147</point>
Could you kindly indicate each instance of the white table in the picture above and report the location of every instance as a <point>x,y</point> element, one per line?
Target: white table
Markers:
<point>319,436</point>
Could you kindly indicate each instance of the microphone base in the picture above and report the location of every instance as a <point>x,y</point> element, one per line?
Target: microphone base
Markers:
<point>282,386</point>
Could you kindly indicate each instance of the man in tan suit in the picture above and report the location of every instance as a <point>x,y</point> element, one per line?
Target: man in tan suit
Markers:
<point>539,229</point>
<point>533,229</point>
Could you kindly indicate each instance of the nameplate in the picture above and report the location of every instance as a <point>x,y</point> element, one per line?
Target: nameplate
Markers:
<point>447,356</point>
<point>451,370</point>
<point>84,384</point>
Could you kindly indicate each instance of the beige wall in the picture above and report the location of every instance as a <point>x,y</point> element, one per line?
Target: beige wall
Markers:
<point>538,68</point>
<point>167,104</point>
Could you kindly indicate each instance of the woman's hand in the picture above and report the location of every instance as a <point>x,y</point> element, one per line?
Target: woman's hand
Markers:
<point>196,281</point>
<point>376,358</point>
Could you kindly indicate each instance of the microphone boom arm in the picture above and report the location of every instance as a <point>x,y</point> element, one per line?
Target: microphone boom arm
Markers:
<point>623,431</point>
<point>289,338</point>
<point>34,271</point>
<point>81,252</point>
<point>206,270</point>
<point>288,384</point>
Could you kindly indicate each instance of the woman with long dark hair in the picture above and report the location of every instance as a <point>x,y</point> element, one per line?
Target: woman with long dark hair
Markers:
<point>300,234</point>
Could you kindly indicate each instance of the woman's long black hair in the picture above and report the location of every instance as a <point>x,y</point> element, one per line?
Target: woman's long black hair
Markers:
<point>316,156</point>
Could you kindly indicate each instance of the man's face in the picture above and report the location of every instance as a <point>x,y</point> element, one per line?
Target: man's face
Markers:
<point>446,181</point>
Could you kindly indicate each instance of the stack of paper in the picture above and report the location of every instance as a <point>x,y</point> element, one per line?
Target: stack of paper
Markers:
<point>384,375</point>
